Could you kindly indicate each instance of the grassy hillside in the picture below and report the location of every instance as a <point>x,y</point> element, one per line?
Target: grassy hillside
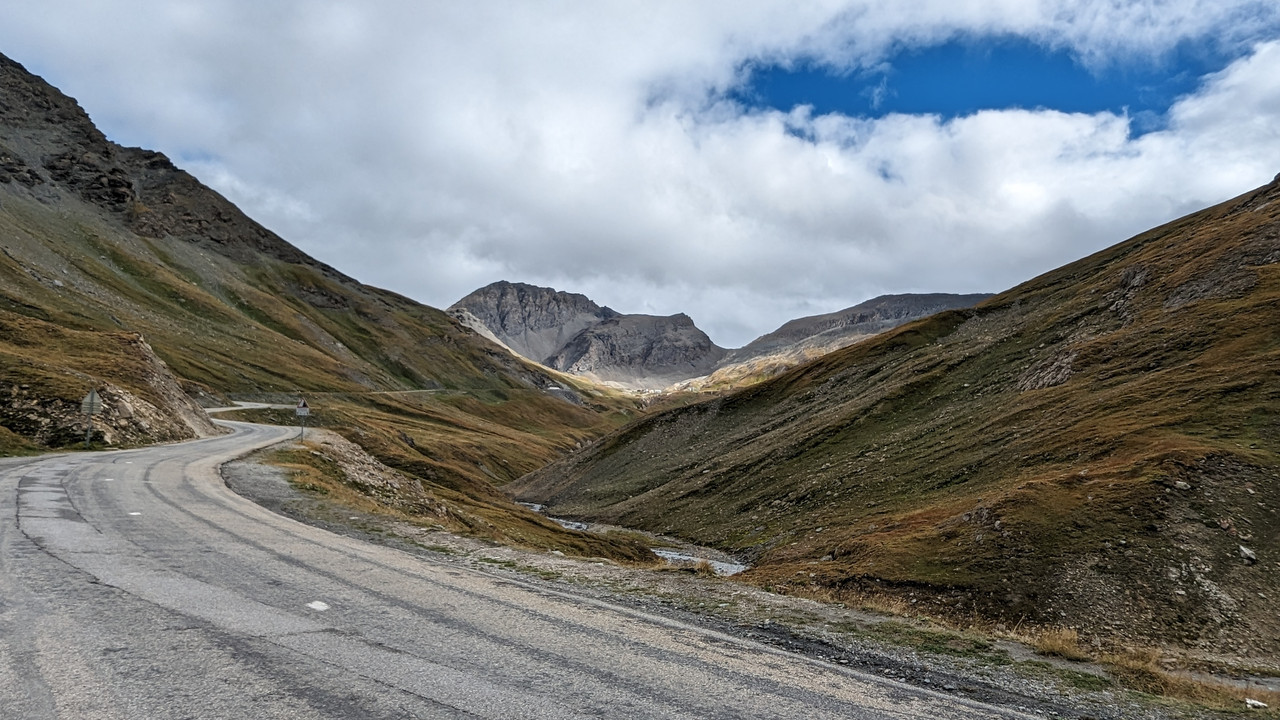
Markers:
<point>1095,448</point>
<point>109,253</point>
<point>45,371</point>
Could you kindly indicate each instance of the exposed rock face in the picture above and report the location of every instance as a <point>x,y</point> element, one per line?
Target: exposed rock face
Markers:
<point>843,327</point>
<point>154,198</point>
<point>142,401</point>
<point>569,332</point>
<point>640,351</point>
<point>535,322</point>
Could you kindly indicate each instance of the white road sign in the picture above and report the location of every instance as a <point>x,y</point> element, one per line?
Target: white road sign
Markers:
<point>92,403</point>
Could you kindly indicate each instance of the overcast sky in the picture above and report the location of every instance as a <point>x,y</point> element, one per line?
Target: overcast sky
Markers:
<point>743,162</point>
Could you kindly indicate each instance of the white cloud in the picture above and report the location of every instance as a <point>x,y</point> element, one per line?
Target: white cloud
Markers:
<point>434,147</point>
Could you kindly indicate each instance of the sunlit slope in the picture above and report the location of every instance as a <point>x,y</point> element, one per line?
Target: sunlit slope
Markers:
<point>1092,448</point>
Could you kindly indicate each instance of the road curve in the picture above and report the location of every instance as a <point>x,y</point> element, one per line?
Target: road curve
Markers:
<point>134,584</point>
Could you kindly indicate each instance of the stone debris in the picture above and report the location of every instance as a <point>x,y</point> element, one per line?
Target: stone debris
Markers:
<point>154,409</point>
<point>1248,555</point>
<point>1255,704</point>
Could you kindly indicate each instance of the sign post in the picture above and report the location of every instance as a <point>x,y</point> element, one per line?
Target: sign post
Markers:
<point>90,406</point>
<point>302,411</point>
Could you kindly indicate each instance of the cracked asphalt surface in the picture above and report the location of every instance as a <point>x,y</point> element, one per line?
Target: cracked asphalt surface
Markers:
<point>135,584</point>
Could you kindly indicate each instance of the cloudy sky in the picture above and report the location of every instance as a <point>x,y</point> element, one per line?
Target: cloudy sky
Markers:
<point>744,162</point>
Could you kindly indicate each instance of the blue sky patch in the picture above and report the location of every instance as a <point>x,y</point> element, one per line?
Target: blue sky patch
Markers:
<point>964,76</point>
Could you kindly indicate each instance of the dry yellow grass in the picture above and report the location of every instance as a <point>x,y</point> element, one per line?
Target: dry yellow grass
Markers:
<point>886,604</point>
<point>314,471</point>
<point>13,444</point>
<point>1140,668</point>
<point>1060,642</point>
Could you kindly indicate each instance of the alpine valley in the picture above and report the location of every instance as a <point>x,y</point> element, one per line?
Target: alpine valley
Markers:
<point>1094,449</point>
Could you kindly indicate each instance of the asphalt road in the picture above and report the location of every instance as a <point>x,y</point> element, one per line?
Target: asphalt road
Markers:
<point>135,585</point>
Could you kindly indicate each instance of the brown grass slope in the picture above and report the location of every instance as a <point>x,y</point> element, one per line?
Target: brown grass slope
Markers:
<point>102,246</point>
<point>1092,448</point>
<point>98,236</point>
<point>40,391</point>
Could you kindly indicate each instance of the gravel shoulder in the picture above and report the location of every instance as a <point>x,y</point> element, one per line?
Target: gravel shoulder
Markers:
<point>900,649</point>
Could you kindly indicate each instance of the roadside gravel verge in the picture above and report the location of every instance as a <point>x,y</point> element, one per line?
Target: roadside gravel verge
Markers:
<point>907,650</point>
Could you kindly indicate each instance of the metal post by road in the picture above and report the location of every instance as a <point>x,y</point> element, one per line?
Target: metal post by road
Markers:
<point>92,403</point>
<point>302,411</point>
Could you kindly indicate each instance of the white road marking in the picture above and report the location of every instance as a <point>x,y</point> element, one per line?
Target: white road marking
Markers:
<point>135,513</point>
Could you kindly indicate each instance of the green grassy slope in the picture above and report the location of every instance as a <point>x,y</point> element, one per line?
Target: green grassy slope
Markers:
<point>1091,448</point>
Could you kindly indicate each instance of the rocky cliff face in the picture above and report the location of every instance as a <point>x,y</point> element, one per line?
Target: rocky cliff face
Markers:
<point>569,332</point>
<point>51,146</point>
<point>535,322</point>
<point>643,351</point>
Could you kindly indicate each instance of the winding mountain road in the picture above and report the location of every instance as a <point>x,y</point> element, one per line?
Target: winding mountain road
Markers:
<point>134,584</point>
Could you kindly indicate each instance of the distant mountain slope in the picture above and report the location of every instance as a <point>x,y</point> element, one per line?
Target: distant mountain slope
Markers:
<point>806,338</point>
<point>535,322</point>
<point>108,253</point>
<point>644,351</point>
<point>1096,448</point>
<point>569,332</point>
<point>832,331</point>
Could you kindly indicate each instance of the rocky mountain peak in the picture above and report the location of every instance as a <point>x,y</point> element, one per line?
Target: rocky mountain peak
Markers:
<point>571,333</point>
<point>647,351</point>
<point>531,320</point>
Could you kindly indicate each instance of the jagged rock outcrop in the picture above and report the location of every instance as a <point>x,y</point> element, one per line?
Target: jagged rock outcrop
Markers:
<point>643,351</point>
<point>154,198</point>
<point>569,332</point>
<point>533,321</point>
